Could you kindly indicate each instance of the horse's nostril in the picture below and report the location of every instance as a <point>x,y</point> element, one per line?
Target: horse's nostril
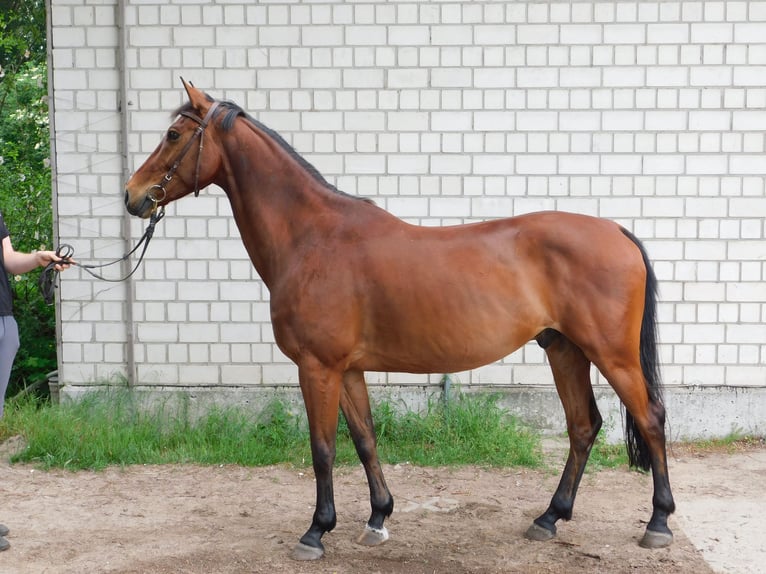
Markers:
<point>127,197</point>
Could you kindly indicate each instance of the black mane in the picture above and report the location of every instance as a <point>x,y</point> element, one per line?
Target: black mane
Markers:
<point>233,111</point>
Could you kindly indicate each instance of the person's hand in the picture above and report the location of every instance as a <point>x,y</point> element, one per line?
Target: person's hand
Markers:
<point>46,257</point>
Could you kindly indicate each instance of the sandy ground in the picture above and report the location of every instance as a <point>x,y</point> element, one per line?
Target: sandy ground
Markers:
<point>190,519</point>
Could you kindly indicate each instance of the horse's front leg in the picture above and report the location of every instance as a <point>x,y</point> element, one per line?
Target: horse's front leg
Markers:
<point>321,394</point>
<point>355,403</point>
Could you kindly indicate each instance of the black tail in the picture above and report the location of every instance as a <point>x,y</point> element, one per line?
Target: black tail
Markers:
<point>638,451</point>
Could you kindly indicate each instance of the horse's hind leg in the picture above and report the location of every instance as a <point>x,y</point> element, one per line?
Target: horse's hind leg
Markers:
<point>355,404</point>
<point>646,426</point>
<point>571,371</point>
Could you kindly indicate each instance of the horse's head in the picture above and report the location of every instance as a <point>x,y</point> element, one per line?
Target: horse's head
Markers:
<point>185,161</point>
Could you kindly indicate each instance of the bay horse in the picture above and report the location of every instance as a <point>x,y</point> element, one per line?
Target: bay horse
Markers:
<point>354,289</point>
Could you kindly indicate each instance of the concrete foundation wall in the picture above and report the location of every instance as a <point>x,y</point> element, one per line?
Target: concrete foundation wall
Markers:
<point>693,413</point>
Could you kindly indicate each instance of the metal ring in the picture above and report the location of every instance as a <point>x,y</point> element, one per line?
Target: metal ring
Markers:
<point>154,199</point>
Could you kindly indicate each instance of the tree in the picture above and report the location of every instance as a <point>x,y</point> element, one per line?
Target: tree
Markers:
<point>25,175</point>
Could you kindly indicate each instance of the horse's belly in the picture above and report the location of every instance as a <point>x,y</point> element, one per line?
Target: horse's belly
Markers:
<point>444,347</point>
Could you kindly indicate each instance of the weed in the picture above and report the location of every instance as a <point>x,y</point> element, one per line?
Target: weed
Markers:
<point>112,427</point>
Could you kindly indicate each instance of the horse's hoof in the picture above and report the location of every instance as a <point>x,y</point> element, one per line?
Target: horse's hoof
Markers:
<point>654,539</point>
<point>538,533</point>
<point>305,552</point>
<point>373,536</point>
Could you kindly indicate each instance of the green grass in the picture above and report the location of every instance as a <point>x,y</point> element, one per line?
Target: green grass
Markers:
<point>110,428</point>
<point>605,455</point>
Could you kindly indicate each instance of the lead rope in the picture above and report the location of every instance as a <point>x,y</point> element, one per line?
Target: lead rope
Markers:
<point>48,282</point>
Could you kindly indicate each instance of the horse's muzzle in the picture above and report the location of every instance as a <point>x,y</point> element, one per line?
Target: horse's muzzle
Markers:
<point>142,208</point>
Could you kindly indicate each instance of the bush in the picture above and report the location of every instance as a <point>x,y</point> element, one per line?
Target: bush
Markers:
<point>25,201</point>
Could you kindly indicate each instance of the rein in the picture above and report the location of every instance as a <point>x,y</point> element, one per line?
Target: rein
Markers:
<point>48,281</point>
<point>49,277</point>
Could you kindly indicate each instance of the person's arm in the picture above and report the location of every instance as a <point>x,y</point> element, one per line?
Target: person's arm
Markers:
<point>17,263</point>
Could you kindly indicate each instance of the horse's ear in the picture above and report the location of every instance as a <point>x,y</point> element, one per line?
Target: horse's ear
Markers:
<point>196,97</point>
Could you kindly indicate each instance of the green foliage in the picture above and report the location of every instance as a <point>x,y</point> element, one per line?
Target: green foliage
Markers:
<point>470,429</point>
<point>25,176</point>
<point>22,35</point>
<point>111,428</point>
<point>605,455</point>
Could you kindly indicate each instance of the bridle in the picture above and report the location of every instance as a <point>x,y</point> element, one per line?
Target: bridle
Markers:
<point>49,276</point>
<point>168,177</point>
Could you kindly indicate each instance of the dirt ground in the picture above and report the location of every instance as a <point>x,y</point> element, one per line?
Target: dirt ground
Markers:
<point>191,519</point>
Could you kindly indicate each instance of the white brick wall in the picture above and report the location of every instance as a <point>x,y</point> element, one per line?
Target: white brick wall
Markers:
<point>649,113</point>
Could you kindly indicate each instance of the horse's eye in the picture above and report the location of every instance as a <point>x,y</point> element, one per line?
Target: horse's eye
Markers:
<point>173,135</point>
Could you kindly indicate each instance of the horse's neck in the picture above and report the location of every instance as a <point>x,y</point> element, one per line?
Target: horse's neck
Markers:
<point>275,202</point>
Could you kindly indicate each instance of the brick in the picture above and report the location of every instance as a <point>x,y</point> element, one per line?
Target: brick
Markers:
<point>579,121</point>
<point>665,121</point>
<point>191,36</point>
<point>707,165</point>
<point>624,34</point>
<point>408,35</point>
<point>579,164</point>
<point>494,121</point>
<point>276,78</point>
<point>620,164</point>
<point>532,164</point>
<point>364,121</point>
<point>578,77</point>
<point>748,33</point>
<point>408,206</point>
<point>748,164</point>
<point>712,33</point>
<point>365,35</point>
<point>451,77</point>
<point>749,120</point>
<point>537,34</point>
<point>450,164</point>
<point>581,34</point>
<point>442,35</point>
<point>407,78</point>
<point>453,121</point>
<point>321,35</point>
<point>488,207</point>
<point>488,164</point>
<point>711,76</point>
<point>746,207</point>
<point>743,250</point>
<point>749,75</point>
<point>319,78</point>
<point>536,121</point>
<point>667,33</point>
<point>407,121</point>
<point>667,76</point>
<point>632,121</point>
<point>623,76</point>
<point>494,78</point>
<point>363,78</point>
<point>497,34</point>
<point>448,207</point>
<point>536,77</point>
